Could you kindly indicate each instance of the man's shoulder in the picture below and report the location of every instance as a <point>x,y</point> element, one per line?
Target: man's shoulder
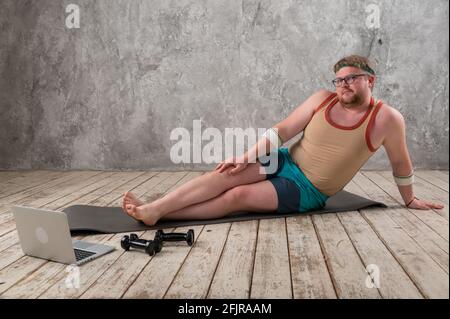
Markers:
<point>318,97</point>
<point>389,116</point>
<point>323,93</point>
<point>391,112</point>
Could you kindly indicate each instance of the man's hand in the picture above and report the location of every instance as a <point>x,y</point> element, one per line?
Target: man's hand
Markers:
<point>424,205</point>
<point>238,163</point>
<point>397,151</point>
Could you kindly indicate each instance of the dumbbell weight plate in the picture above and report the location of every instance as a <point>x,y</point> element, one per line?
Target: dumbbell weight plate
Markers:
<point>158,243</point>
<point>150,249</point>
<point>125,242</point>
<point>190,237</point>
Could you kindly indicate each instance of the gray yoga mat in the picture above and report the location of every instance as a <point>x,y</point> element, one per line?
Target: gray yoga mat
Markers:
<point>86,218</point>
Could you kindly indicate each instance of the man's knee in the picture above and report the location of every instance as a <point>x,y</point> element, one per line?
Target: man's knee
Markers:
<point>238,194</point>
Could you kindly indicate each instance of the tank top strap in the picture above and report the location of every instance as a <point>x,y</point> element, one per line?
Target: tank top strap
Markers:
<point>328,100</point>
<point>372,113</point>
<point>370,124</point>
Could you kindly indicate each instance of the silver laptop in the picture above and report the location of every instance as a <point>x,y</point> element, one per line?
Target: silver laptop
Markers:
<point>45,234</point>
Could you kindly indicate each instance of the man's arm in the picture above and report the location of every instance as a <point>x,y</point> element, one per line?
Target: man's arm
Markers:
<point>290,126</point>
<point>397,151</point>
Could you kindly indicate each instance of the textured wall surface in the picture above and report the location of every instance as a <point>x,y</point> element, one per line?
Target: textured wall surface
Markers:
<point>107,95</point>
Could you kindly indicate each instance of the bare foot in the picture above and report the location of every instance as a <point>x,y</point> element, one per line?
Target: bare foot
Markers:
<point>130,198</point>
<point>144,213</point>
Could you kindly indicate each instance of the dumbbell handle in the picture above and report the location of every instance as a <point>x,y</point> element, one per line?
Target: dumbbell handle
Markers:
<point>173,237</point>
<point>138,244</point>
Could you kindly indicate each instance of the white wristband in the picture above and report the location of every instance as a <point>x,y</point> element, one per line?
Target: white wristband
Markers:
<point>272,135</point>
<point>404,180</point>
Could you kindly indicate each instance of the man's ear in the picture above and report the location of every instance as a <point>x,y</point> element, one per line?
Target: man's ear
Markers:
<point>372,80</point>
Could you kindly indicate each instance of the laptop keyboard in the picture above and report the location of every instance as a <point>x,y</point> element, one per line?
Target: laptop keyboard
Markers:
<point>82,254</point>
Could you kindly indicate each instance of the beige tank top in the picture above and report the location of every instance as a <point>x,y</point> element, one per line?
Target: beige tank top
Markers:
<point>330,154</point>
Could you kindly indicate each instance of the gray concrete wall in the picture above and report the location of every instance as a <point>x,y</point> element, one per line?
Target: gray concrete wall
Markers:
<point>107,95</point>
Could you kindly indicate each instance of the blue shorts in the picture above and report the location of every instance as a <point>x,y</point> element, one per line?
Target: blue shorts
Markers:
<point>294,190</point>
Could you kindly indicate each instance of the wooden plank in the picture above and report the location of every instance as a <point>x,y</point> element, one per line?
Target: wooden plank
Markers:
<point>22,183</point>
<point>392,280</point>
<point>77,182</point>
<point>5,273</point>
<point>435,245</point>
<point>442,175</point>
<point>113,192</point>
<point>195,275</point>
<point>93,191</point>
<point>433,178</point>
<point>89,273</point>
<point>44,277</point>
<point>436,222</point>
<point>93,270</point>
<point>155,278</point>
<point>142,182</point>
<point>106,188</point>
<point>427,275</point>
<point>39,281</point>
<point>9,175</point>
<point>347,271</point>
<point>10,255</point>
<point>24,196</point>
<point>18,175</point>
<point>8,239</point>
<point>59,192</point>
<point>271,274</point>
<point>6,221</point>
<point>234,272</point>
<point>121,274</point>
<point>28,198</point>
<point>426,191</point>
<point>310,277</point>
<point>19,178</point>
<point>115,281</point>
<point>423,187</point>
<point>18,270</point>
<point>8,224</point>
<point>73,194</point>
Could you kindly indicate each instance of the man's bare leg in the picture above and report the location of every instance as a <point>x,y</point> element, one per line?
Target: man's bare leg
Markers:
<point>260,196</point>
<point>198,190</point>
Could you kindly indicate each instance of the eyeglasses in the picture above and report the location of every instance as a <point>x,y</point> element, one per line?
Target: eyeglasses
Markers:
<point>349,79</point>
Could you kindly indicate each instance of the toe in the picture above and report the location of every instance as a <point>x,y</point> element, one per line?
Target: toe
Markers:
<point>131,196</point>
<point>130,209</point>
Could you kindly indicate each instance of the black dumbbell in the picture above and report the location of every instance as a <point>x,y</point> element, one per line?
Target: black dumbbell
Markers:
<point>188,237</point>
<point>157,243</point>
<point>149,246</point>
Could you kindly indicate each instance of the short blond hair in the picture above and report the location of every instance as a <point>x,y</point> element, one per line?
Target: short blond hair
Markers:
<point>356,61</point>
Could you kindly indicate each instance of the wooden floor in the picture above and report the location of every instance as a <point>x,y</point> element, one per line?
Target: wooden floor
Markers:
<point>319,256</point>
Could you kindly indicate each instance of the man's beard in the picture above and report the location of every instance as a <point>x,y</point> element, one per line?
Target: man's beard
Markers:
<point>354,100</point>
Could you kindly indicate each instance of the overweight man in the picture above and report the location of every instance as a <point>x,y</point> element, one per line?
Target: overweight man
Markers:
<point>341,131</point>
